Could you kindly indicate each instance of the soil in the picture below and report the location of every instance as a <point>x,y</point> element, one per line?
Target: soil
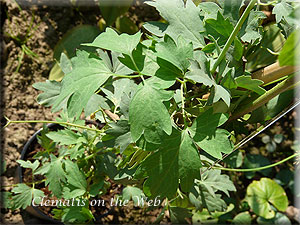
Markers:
<point>49,23</point>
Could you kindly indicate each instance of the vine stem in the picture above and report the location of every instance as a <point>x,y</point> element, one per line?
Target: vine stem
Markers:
<point>127,76</point>
<point>259,168</point>
<point>49,121</point>
<point>182,101</point>
<point>233,34</point>
<point>261,100</point>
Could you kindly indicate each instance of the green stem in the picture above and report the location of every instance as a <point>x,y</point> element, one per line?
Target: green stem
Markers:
<point>127,76</point>
<point>182,103</point>
<point>55,122</point>
<point>263,99</point>
<point>266,4</point>
<point>233,34</point>
<point>259,168</point>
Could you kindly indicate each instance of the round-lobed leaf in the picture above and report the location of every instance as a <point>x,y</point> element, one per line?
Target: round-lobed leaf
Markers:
<point>263,194</point>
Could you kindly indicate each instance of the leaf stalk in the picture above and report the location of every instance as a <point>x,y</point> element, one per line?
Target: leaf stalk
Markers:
<point>259,168</point>
<point>49,121</point>
<point>233,34</point>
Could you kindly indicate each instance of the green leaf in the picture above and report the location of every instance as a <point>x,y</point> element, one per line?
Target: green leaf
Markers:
<point>219,92</point>
<point>156,28</point>
<point>242,218</point>
<point>280,218</point>
<point>207,123</point>
<point>178,215</point>
<point>208,217</point>
<point>251,84</point>
<point>279,103</point>
<point>261,194</point>
<point>177,159</point>
<point>178,54</point>
<point>74,176</point>
<point>95,103</point>
<point>111,12</point>
<point>111,40</point>
<point>148,115</point>
<point>199,75</point>
<point>28,164</point>
<point>214,181</point>
<point>234,160</point>
<point>120,133</point>
<point>23,196</point>
<point>282,10</point>
<point>219,28</point>
<point>51,91</point>
<point>122,87</point>
<point>55,176</point>
<point>289,54</point>
<point>251,29</point>
<point>201,198</point>
<point>209,10</point>
<point>56,73</point>
<point>133,193</point>
<point>216,143</point>
<point>254,161</point>
<point>183,19</point>
<point>88,74</point>
<point>44,141</point>
<point>228,80</point>
<point>64,137</point>
<point>126,24</point>
<point>232,9</point>
<point>113,63</point>
<point>285,177</point>
<point>77,214</point>
<point>238,49</point>
<point>72,40</point>
<point>205,133</point>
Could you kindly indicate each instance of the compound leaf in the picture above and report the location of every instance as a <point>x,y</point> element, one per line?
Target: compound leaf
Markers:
<point>64,137</point>
<point>250,30</point>
<point>51,91</point>
<point>201,198</point>
<point>219,28</point>
<point>120,134</point>
<point>28,164</point>
<point>214,181</point>
<point>132,193</point>
<point>251,84</point>
<point>24,195</point>
<point>209,10</point>
<point>282,10</point>
<point>74,176</point>
<point>80,84</point>
<point>148,115</point>
<point>178,54</point>
<point>111,40</point>
<point>183,18</point>
<point>216,143</point>
<point>177,159</point>
<point>55,176</point>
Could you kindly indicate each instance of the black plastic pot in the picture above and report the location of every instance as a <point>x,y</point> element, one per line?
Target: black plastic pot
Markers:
<point>29,146</point>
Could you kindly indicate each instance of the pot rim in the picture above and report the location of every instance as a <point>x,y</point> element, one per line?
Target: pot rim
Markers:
<point>26,148</point>
<point>32,140</point>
